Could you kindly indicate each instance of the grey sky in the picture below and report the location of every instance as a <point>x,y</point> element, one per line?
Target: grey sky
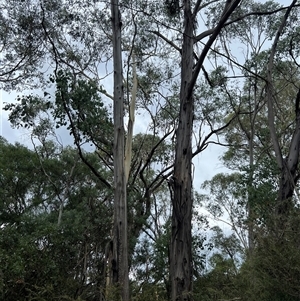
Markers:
<point>206,164</point>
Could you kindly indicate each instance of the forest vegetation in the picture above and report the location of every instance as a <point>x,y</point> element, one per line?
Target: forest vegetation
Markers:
<point>144,87</point>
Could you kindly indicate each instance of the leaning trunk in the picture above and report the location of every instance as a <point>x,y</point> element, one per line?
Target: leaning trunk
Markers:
<point>119,261</point>
<point>181,255</point>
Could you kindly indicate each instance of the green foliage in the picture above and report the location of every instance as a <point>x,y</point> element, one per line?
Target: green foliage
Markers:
<point>272,272</point>
<point>149,291</point>
<point>41,259</point>
<point>79,106</point>
<point>45,258</point>
<point>219,282</point>
<point>172,7</point>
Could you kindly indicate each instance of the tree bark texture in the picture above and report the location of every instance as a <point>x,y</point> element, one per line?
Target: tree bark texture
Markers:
<point>119,261</point>
<point>181,267</point>
<point>180,252</point>
<point>289,168</point>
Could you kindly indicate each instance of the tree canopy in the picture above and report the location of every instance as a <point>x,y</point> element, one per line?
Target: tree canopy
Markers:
<point>142,88</point>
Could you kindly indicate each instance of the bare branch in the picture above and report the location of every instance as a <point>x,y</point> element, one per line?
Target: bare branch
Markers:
<point>206,141</point>
<point>265,13</point>
<point>180,51</point>
<point>208,45</point>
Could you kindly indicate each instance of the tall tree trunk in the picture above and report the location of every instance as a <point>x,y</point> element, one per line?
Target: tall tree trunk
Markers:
<point>288,166</point>
<point>181,267</point>
<point>181,241</point>
<point>119,262</point>
<point>252,108</point>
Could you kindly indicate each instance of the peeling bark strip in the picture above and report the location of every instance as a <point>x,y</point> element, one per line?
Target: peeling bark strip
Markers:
<point>128,145</point>
<point>119,262</point>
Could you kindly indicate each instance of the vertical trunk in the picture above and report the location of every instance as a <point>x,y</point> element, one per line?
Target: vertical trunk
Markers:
<point>288,166</point>
<point>251,196</point>
<point>181,267</point>
<point>119,262</point>
<point>181,254</point>
<point>285,194</point>
<point>289,170</point>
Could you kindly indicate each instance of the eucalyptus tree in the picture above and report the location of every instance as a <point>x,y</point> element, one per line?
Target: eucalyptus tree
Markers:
<point>181,182</point>
<point>69,47</point>
<point>119,260</point>
<point>79,51</point>
<point>288,165</point>
<point>243,80</point>
<point>268,124</point>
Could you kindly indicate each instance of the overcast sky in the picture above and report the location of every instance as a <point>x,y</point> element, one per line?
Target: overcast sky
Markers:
<point>206,164</point>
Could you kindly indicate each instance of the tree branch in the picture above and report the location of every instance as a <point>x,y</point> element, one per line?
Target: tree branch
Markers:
<point>180,51</point>
<point>265,13</point>
<point>269,89</point>
<point>208,45</point>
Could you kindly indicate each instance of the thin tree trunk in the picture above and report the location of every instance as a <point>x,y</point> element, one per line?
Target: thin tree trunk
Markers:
<point>119,262</point>
<point>251,196</point>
